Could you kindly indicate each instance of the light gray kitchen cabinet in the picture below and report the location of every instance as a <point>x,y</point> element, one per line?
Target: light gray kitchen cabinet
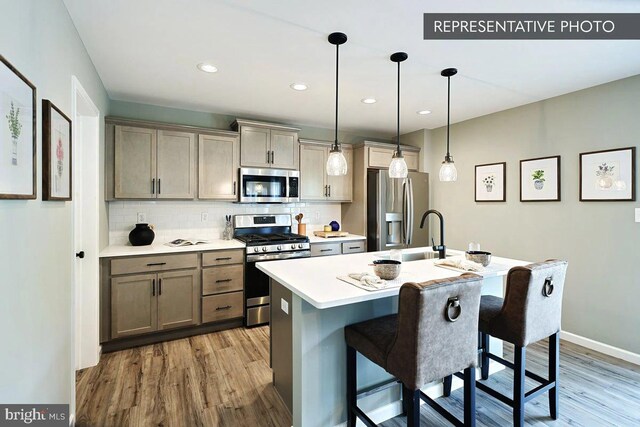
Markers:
<point>315,184</point>
<point>151,163</point>
<point>134,306</point>
<point>381,158</point>
<point>135,162</point>
<point>267,145</point>
<point>178,299</point>
<point>176,165</point>
<point>219,160</point>
<point>330,247</point>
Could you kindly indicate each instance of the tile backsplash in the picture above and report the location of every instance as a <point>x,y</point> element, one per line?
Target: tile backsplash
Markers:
<point>184,219</point>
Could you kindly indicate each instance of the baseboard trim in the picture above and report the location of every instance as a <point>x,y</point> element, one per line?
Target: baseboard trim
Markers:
<point>607,349</point>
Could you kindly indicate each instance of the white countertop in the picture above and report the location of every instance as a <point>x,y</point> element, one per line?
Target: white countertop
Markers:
<point>349,238</point>
<point>160,248</point>
<point>315,279</point>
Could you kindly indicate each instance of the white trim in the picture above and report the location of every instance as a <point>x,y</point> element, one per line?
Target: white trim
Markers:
<point>607,349</point>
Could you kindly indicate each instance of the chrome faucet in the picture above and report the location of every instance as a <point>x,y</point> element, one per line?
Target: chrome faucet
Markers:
<point>442,249</point>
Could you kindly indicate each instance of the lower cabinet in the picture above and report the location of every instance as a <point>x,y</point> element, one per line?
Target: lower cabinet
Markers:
<point>223,306</point>
<point>151,302</point>
<point>338,248</point>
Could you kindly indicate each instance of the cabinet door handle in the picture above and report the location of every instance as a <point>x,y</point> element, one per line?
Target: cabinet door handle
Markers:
<point>326,250</point>
<point>159,188</point>
<point>268,156</point>
<point>234,188</point>
<point>153,186</point>
<point>226,258</point>
<point>153,287</point>
<point>151,264</point>
<point>329,190</point>
<point>325,191</point>
<point>226,307</point>
<point>159,286</point>
<point>223,280</point>
<point>273,156</point>
<point>354,247</point>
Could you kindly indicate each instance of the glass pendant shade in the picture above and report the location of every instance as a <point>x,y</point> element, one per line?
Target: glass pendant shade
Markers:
<point>398,167</point>
<point>448,171</point>
<point>336,163</point>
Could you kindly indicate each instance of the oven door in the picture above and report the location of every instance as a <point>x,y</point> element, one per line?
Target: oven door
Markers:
<point>263,185</point>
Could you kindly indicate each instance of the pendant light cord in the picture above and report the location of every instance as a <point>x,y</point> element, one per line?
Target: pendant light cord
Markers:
<point>335,142</point>
<point>398,122</point>
<point>448,112</point>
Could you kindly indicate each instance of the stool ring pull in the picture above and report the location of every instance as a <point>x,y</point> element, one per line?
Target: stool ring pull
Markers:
<point>453,303</point>
<point>547,288</point>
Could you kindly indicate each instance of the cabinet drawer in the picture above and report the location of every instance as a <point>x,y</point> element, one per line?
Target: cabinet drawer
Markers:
<point>234,256</point>
<point>153,263</point>
<point>220,307</point>
<point>353,247</point>
<point>324,249</point>
<point>216,280</point>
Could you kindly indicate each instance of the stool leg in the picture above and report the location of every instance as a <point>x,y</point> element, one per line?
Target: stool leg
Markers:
<point>412,401</point>
<point>351,386</point>
<point>446,385</point>
<point>554,367</point>
<point>484,362</point>
<point>470,397</point>
<point>519,363</point>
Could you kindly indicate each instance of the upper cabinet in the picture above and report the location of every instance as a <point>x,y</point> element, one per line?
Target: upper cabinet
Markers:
<point>219,159</point>
<point>266,145</point>
<point>380,158</point>
<point>315,184</point>
<point>147,160</point>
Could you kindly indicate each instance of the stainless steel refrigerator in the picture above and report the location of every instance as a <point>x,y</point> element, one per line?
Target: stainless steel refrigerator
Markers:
<point>394,209</point>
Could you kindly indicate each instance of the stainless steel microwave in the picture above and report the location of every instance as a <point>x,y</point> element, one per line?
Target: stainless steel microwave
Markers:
<point>269,185</point>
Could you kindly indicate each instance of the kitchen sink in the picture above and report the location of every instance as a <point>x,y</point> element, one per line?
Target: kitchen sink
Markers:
<point>416,256</point>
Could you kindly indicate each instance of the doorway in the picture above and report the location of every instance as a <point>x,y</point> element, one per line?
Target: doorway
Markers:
<point>86,191</point>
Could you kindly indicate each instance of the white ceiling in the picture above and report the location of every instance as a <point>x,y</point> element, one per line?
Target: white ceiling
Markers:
<point>147,50</point>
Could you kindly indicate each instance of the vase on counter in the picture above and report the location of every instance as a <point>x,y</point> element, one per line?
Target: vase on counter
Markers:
<point>141,235</point>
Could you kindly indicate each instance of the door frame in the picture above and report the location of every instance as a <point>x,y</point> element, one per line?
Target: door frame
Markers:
<point>86,273</point>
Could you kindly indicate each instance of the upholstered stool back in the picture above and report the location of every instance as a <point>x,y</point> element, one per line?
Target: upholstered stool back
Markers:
<point>533,303</point>
<point>437,329</point>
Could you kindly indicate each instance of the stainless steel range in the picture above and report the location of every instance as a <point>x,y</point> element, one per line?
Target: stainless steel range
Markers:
<point>267,237</point>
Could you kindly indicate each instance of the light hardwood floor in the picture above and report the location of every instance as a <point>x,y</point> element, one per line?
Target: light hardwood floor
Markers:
<point>223,379</point>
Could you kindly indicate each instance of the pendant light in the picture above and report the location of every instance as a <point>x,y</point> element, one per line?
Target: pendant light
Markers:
<point>336,163</point>
<point>448,170</point>
<point>398,167</point>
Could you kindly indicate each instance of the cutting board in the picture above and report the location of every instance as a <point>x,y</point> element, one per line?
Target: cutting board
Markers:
<point>329,234</point>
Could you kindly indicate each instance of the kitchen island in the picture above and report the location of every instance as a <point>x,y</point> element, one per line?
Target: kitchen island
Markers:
<point>310,307</point>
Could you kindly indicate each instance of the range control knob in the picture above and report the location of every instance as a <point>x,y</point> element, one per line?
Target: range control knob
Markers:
<point>299,245</point>
<point>256,249</point>
<point>293,246</point>
<point>264,249</point>
<point>279,248</point>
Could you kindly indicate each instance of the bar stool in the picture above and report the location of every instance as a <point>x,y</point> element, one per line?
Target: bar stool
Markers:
<point>530,312</point>
<point>433,335</point>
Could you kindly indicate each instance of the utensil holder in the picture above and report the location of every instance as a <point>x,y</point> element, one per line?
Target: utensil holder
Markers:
<point>302,229</point>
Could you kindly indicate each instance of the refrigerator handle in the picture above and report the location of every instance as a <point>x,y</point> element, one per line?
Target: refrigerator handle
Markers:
<point>410,212</point>
<point>405,212</point>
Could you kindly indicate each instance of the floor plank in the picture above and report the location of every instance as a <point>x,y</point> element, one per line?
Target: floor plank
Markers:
<point>223,379</point>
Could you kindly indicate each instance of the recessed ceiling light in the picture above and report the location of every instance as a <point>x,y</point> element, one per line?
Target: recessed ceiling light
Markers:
<point>207,68</point>
<point>423,112</point>
<point>368,100</point>
<point>298,86</point>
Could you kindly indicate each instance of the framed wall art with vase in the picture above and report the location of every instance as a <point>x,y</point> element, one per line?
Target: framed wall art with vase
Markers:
<point>17,134</point>
<point>491,183</point>
<point>540,179</point>
<point>608,175</point>
<point>56,153</point>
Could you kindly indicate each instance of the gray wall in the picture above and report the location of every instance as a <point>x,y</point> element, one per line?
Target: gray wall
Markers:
<point>156,113</point>
<point>599,239</point>
<point>36,250</point>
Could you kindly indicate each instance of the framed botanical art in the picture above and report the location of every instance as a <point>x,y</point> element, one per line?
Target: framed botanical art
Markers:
<point>491,182</point>
<point>540,179</point>
<point>17,134</point>
<point>56,153</point>
<point>608,175</point>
